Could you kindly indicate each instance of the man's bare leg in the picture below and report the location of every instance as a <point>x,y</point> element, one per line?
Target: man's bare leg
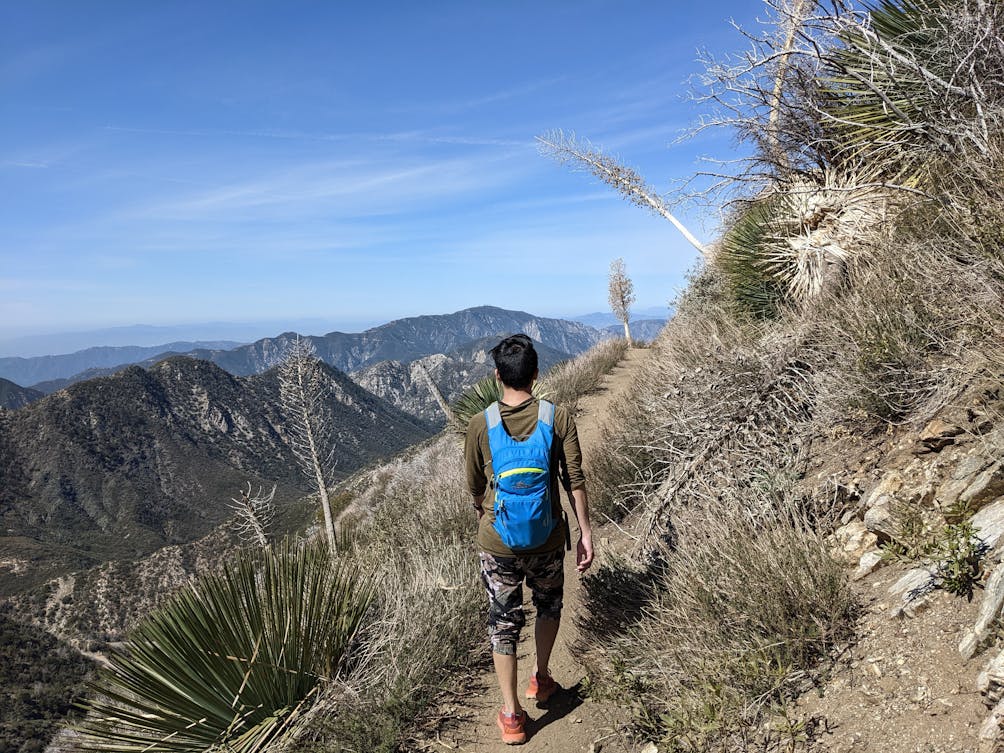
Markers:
<point>545,631</point>
<point>505,670</point>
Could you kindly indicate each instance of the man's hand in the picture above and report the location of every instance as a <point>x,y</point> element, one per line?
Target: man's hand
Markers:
<point>584,554</point>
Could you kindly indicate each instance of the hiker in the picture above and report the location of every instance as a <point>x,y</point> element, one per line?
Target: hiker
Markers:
<point>521,529</point>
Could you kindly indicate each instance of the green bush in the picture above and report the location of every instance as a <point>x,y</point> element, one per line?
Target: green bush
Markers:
<point>234,660</point>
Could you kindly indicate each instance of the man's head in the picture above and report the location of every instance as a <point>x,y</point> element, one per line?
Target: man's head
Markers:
<point>516,362</point>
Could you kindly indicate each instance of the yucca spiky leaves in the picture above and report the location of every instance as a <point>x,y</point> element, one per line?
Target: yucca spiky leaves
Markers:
<point>897,92</point>
<point>475,400</point>
<point>479,397</point>
<point>232,662</point>
<point>741,257</point>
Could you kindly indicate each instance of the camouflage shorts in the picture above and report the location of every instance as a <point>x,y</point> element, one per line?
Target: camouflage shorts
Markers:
<point>503,579</point>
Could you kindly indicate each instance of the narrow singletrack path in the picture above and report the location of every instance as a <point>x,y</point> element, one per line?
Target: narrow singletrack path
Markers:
<point>568,721</point>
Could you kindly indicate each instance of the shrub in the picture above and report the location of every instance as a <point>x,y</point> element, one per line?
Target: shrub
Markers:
<point>741,607</point>
<point>236,659</point>
<point>568,381</point>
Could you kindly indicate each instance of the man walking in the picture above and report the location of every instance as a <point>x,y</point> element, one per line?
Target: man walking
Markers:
<point>521,532</point>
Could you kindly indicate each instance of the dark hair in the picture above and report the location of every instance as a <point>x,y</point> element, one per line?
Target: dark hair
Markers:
<point>516,361</point>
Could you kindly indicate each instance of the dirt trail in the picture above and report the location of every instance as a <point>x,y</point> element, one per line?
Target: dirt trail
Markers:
<point>568,722</point>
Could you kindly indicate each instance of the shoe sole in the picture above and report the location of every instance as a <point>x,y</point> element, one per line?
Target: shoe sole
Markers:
<point>511,738</point>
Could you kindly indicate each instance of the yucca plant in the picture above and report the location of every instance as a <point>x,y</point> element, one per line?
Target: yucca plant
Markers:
<point>740,256</point>
<point>479,397</point>
<point>817,227</point>
<point>919,79</point>
<point>231,662</point>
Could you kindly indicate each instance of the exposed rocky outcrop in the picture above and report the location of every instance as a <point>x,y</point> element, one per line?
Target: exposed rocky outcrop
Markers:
<point>944,479</point>
<point>402,385</point>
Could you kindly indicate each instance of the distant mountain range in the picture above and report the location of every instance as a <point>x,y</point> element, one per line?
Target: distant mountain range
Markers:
<point>30,371</point>
<point>408,339</point>
<point>119,466</point>
<point>402,340</point>
<point>605,319</point>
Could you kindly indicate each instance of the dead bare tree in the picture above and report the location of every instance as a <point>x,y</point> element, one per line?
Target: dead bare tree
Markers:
<point>567,149</point>
<point>434,390</point>
<point>254,514</point>
<point>620,294</point>
<point>304,391</point>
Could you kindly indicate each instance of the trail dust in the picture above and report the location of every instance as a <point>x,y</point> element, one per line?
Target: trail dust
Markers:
<point>569,721</point>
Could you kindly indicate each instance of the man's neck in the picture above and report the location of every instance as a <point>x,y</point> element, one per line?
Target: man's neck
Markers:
<point>513,397</point>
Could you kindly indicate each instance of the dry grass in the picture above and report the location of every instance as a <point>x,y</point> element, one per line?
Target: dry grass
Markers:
<point>412,527</point>
<point>740,608</point>
<point>566,382</point>
<point>730,597</point>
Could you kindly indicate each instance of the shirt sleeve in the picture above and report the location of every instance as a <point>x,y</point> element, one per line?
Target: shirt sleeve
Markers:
<point>575,478</point>
<point>474,463</point>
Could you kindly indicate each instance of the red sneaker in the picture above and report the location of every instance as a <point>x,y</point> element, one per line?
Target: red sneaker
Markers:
<point>513,727</point>
<point>541,687</point>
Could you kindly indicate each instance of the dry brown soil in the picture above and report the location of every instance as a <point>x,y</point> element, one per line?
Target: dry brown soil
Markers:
<point>570,721</point>
<point>903,687</point>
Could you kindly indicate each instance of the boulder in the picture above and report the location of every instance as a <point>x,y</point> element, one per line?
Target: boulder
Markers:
<point>914,590</point>
<point>880,522</point>
<point>990,681</point>
<point>986,487</point>
<point>990,730</point>
<point>867,564</point>
<point>937,435</point>
<point>853,540</point>
<point>990,609</point>
<point>989,525</point>
<point>885,490</point>
<point>962,477</point>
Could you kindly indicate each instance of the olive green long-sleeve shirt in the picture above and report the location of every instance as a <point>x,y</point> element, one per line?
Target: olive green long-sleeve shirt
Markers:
<point>566,468</point>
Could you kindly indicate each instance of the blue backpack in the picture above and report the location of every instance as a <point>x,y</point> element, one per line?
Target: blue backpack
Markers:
<point>522,479</point>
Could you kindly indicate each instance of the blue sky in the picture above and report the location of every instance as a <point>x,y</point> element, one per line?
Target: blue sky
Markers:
<point>165,163</point>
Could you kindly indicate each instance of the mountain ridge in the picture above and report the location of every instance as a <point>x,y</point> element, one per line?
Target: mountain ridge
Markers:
<point>35,369</point>
<point>122,465</point>
<point>402,340</point>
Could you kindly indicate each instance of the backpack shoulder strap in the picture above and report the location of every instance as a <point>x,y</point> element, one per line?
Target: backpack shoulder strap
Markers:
<point>493,416</point>
<point>545,412</point>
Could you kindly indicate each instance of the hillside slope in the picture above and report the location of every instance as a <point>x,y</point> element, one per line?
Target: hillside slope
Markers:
<point>119,466</point>
<point>15,396</point>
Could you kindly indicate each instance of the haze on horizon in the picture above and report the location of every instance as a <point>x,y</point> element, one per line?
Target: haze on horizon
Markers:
<point>181,163</point>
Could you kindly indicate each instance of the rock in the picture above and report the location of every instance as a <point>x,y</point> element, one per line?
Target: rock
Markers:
<point>962,477</point>
<point>914,590</point>
<point>853,540</point>
<point>989,525</point>
<point>990,731</point>
<point>986,487</point>
<point>990,682</point>
<point>938,434</point>
<point>990,608</point>
<point>649,748</point>
<point>884,491</point>
<point>867,565</point>
<point>879,520</point>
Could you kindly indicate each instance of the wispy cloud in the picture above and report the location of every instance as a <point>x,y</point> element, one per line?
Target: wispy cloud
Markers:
<point>418,136</point>
<point>350,188</point>
<point>33,164</point>
<point>473,103</point>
